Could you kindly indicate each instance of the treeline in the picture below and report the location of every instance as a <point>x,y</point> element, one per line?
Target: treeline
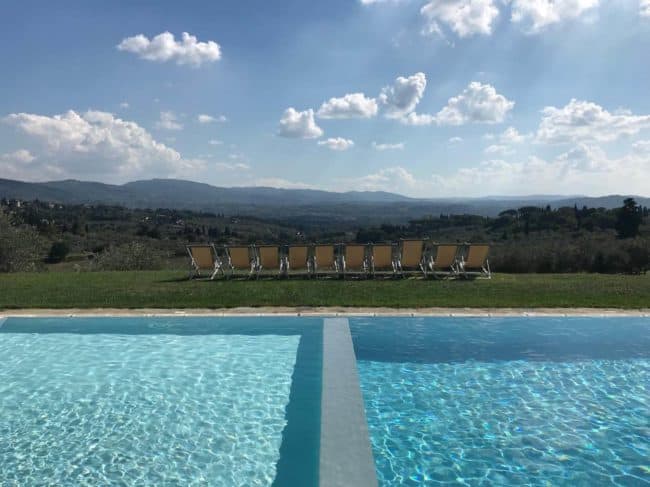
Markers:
<point>37,235</point>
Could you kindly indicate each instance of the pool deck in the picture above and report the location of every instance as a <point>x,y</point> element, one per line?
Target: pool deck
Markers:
<point>329,312</point>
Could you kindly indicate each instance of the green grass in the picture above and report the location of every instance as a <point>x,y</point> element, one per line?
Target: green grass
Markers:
<point>170,289</point>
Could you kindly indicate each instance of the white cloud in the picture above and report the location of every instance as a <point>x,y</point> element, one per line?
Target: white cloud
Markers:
<point>418,119</point>
<point>641,147</point>
<point>585,121</point>
<point>584,169</point>
<point>388,179</point>
<point>536,15</point>
<point>337,143</point>
<point>164,47</point>
<point>384,147</point>
<point>403,96</point>
<point>353,105</point>
<point>215,142</point>
<point>227,166</point>
<point>299,124</point>
<point>95,144</point>
<point>512,136</point>
<point>464,17</point>
<point>455,140</point>
<point>203,118</point>
<point>498,149</point>
<point>20,156</point>
<point>478,103</point>
<point>644,8</point>
<point>124,105</point>
<point>281,183</point>
<point>168,121</point>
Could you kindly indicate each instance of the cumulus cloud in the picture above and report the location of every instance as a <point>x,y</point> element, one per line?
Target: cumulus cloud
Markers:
<point>168,121</point>
<point>95,144</point>
<point>227,166</point>
<point>403,95</point>
<point>585,168</point>
<point>281,183</point>
<point>463,17</point>
<point>537,15</point>
<point>300,125</point>
<point>395,178</point>
<point>337,143</point>
<point>353,105</point>
<point>203,118</point>
<point>215,142</point>
<point>164,47</point>
<point>498,149</point>
<point>384,147</point>
<point>644,8</point>
<point>587,121</point>
<point>124,105</point>
<point>418,119</point>
<point>20,156</point>
<point>512,136</point>
<point>478,103</point>
<point>455,140</point>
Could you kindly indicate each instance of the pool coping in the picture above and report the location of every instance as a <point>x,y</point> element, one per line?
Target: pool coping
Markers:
<point>328,312</point>
<point>345,453</point>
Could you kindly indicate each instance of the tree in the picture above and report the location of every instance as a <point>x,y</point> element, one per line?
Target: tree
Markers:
<point>629,219</point>
<point>58,252</point>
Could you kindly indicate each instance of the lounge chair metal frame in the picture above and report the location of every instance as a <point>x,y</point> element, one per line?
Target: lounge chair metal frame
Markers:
<point>309,262</point>
<point>482,270</point>
<point>437,269</point>
<point>426,260</point>
<point>252,261</point>
<point>282,260</point>
<point>195,268</point>
<point>365,264</point>
<point>394,261</point>
<point>336,261</point>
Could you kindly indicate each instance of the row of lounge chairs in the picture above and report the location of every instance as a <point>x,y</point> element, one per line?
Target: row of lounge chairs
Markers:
<point>341,260</point>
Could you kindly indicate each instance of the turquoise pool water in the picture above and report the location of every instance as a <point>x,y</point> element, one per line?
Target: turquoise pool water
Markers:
<point>135,401</point>
<point>511,401</point>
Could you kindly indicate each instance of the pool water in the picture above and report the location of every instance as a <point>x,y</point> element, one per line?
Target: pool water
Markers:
<point>511,401</point>
<point>238,401</point>
<point>149,401</point>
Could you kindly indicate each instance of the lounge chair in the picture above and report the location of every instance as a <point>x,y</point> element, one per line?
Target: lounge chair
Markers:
<point>268,258</point>
<point>382,259</point>
<point>324,260</point>
<point>476,263</point>
<point>204,256</point>
<point>299,260</point>
<point>354,260</point>
<point>239,258</point>
<point>412,257</point>
<point>445,263</point>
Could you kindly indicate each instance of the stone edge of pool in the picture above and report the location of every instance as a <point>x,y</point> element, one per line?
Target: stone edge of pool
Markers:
<point>345,453</point>
<point>327,312</point>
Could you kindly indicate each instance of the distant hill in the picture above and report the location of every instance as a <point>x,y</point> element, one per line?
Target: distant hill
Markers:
<point>371,206</point>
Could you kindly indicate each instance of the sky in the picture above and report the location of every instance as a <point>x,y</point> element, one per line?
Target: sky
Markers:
<point>428,98</point>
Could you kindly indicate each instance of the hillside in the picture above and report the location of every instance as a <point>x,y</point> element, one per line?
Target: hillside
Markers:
<point>276,202</point>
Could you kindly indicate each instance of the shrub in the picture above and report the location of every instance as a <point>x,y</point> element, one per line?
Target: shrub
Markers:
<point>58,252</point>
<point>21,247</point>
<point>134,256</point>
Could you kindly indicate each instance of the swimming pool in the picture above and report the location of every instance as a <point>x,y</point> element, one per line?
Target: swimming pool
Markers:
<point>507,401</point>
<point>298,401</point>
<point>96,401</point>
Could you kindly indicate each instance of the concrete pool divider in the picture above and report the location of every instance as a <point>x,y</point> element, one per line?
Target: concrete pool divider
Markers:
<point>345,452</point>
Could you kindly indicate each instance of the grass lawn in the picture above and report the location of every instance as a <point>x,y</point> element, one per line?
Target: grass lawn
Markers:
<point>171,289</point>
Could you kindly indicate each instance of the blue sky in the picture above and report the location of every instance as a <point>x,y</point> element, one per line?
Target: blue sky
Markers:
<point>426,98</point>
